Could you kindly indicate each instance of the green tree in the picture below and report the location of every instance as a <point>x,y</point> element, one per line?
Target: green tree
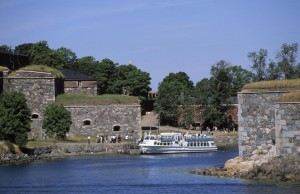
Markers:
<point>287,60</point>
<point>259,63</point>
<point>174,90</point>
<point>202,91</point>
<point>5,48</point>
<point>41,54</point>
<point>57,121</point>
<point>214,113</point>
<point>273,72</point>
<point>238,78</point>
<point>105,75</point>
<point>24,48</point>
<point>14,118</point>
<point>220,83</point>
<point>130,80</point>
<point>69,56</point>
<point>187,113</point>
<point>87,65</point>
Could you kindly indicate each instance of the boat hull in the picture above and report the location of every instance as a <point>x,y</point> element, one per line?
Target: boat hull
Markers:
<point>175,149</point>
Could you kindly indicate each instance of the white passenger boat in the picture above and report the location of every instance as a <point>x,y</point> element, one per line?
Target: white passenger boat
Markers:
<point>167,143</point>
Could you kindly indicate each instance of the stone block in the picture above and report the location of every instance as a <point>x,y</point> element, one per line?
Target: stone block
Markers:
<point>295,127</point>
<point>288,134</point>
<point>282,122</point>
<point>287,145</point>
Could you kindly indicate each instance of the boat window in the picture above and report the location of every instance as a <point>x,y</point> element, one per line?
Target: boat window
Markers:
<point>152,137</point>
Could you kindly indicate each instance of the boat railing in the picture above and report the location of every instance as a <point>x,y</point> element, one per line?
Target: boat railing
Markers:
<point>201,139</point>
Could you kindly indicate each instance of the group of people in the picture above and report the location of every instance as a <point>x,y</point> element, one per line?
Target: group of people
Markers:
<point>108,139</point>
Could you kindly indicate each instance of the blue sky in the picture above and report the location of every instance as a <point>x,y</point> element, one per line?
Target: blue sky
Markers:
<point>157,36</point>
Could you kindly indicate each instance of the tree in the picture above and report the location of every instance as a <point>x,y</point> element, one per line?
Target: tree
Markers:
<point>202,91</point>
<point>220,82</point>
<point>5,48</point>
<point>173,91</point>
<point>273,72</point>
<point>14,118</point>
<point>259,63</point>
<point>41,54</point>
<point>130,80</point>
<point>87,65</point>
<point>57,121</point>
<point>287,60</point>
<point>24,48</point>
<point>238,78</point>
<point>187,113</point>
<point>105,75</point>
<point>214,113</point>
<point>69,56</point>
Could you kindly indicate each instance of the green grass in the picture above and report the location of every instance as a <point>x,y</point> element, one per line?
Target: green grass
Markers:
<point>44,68</point>
<point>290,97</point>
<point>275,85</point>
<point>38,143</point>
<point>51,141</point>
<point>76,99</point>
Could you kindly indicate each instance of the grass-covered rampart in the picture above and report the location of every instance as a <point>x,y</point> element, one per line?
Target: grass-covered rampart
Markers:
<point>275,85</point>
<point>106,99</point>
<point>292,87</point>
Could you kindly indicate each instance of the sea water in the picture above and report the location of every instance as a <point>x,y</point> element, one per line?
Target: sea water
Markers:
<point>170,173</point>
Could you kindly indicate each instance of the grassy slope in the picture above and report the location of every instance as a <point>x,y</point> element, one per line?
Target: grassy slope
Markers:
<point>277,85</point>
<point>75,99</point>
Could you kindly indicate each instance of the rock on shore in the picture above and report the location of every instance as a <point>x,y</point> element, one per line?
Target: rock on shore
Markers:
<point>261,166</point>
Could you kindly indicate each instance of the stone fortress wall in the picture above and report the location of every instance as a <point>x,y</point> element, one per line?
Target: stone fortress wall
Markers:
<point>106,120</point>
<point>263,122</point>
<point>41,89</point>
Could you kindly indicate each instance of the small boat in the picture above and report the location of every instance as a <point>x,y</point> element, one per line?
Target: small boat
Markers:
<point>170,143</point>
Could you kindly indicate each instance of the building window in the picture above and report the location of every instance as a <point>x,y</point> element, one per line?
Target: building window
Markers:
<point>79,83</point>
<point>117,128</point>
<point>34,116</point>
<point>86,122</point>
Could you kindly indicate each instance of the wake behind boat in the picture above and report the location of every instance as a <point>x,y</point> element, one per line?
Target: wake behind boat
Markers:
<point>169,143</point>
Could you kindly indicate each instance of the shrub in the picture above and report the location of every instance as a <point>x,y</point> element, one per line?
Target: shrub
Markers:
<point>10,146</point>
<point>14,118</point>
<point>57,121</point>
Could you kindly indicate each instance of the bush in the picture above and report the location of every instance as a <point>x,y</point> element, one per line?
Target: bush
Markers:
<point>14,118</point>
<point>57,121</point>
<point>10,146</point>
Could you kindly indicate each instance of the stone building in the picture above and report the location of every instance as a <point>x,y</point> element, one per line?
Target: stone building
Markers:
<point>41,89</point>
<point>79,83</point>
<point>265,119</point>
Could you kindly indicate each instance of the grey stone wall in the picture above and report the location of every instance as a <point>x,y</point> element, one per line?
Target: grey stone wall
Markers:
<point>39,90</point>
<point>256,116</point>
<point>103,119</point>
<point>81,90</point>
<point>287,127</point>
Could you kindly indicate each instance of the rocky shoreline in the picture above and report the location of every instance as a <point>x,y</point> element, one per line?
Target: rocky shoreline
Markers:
<point>63,150</point>
<point>261,166</point>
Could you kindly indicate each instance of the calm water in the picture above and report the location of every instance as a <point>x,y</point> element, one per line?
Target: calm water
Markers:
<point>131,174</point>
